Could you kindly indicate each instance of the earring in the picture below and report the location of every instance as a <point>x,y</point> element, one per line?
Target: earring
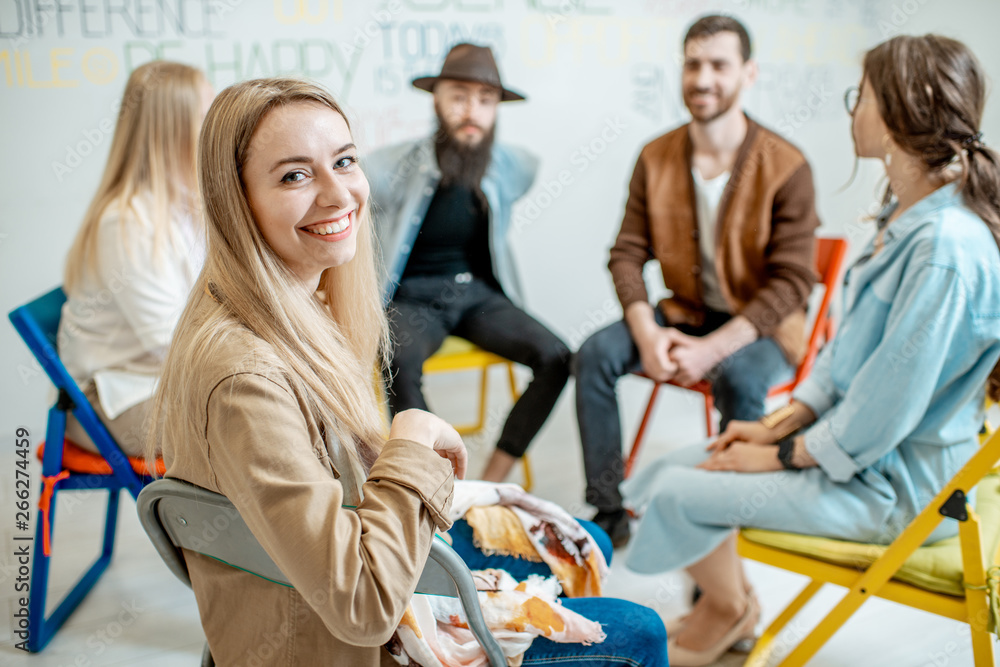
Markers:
<point>888,159</point>
<point>887,147</point>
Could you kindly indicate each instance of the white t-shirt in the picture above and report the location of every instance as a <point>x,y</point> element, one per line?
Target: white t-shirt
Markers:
<point>117,326</point>
<point>707,194</point>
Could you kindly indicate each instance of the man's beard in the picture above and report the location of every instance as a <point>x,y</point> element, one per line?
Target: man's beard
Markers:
<point>462,164</point>
<point>725,104</point>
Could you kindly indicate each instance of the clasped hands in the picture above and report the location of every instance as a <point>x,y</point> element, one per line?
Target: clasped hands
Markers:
<point>743,447</point>
<point>668,354</point>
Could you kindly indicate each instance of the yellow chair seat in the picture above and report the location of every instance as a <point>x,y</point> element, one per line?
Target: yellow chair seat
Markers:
<point>936,567</point>
<point>458,354</point>
<point>456,345</point>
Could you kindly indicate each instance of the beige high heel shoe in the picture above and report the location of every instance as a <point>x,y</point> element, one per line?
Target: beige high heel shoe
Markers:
<point>742,630</point>
<point>677,623</point>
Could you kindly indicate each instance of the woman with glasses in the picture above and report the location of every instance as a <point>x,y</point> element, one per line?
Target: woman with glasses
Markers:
<point>894,404</point>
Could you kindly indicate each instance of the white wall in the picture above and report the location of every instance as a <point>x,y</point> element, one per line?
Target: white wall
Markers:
<point>601,74</point>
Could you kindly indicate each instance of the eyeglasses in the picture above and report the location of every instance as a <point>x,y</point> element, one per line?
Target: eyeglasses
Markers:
<point>851,97</point>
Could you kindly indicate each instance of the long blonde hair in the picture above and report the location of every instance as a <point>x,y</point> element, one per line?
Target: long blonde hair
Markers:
<point>332,342</point>
<point>152,154</point>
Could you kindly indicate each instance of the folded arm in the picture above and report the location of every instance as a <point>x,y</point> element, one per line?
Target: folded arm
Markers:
<point>357,569</point>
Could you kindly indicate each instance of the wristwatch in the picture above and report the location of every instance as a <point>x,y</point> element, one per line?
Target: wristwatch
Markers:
<point>786,449</point>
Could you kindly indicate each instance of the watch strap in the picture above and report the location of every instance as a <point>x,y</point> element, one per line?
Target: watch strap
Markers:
<point>786,450</point>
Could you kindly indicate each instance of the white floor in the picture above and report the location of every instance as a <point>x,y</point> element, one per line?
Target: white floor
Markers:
<point>140,614</point>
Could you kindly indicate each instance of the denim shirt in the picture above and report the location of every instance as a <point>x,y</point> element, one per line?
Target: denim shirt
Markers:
<point>403,181</point>
<point>899,390</point>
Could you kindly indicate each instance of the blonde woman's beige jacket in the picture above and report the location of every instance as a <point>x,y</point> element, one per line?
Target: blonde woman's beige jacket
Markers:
<point>252,439</point>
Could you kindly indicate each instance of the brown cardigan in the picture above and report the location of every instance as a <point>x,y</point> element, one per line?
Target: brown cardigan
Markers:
<point>251,437</point>
<point>765,243</point>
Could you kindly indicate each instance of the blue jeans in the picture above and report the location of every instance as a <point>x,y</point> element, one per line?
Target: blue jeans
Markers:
<point>739,385</point>
<point>635,637</point>
<point>635,634</point>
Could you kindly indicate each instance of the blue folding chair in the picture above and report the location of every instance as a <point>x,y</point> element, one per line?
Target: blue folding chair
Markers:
<point>38,323</point>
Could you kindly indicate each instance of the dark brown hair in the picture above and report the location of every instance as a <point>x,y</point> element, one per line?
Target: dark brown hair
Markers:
<point>930,92</point>
<point>713,24</point>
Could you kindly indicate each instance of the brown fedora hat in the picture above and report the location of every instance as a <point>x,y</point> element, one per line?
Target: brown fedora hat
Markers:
<point>469,62</point>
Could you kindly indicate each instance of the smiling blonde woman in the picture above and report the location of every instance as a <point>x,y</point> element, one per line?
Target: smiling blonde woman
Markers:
<point>267,398</point>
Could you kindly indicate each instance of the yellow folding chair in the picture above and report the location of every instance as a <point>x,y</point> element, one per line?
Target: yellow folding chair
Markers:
<point>457,354</point>
<point>958,578</point>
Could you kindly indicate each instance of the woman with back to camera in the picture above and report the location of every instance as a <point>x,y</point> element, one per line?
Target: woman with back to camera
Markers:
<point>138,252</point>
<point>267,398</point>
<point>894,404</point>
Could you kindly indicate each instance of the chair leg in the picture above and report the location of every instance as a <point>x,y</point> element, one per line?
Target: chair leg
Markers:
<point>38,631</point>
<point>709,422</point>
<point>641,433</point>
<point>484,388</point>
<point>42,629</point>
<point>110,523</point>
<point>983,653</point>
<point>832,622</point>
<point>976,594</point>
<point>765,645</point>
<point>477,426</point>
<point>529,480</point>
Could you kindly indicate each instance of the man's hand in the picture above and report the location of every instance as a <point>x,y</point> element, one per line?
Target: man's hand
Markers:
<point>694,356</point>
<point>744,457</point>
<point>652,340</point>
<point>654,353</point>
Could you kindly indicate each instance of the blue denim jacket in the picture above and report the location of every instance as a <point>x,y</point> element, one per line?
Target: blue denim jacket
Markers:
<point>899,390</point>
<point>403,181</point>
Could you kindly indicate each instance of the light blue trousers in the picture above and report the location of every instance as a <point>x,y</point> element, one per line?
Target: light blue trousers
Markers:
<point>687,512</point>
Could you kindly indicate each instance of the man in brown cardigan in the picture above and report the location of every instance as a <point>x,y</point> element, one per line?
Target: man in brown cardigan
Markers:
<point>727,208</point>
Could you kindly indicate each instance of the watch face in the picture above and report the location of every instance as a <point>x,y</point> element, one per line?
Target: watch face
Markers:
<point>786,448</point>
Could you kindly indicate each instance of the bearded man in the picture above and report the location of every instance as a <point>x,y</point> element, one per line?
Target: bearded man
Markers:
<point>727,208</point>
<point>442,207</point>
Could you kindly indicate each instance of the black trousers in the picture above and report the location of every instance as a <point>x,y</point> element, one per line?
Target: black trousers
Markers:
<point>426,309</point>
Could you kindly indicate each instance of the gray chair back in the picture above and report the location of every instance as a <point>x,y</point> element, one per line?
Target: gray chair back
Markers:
<point>178,515</point>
